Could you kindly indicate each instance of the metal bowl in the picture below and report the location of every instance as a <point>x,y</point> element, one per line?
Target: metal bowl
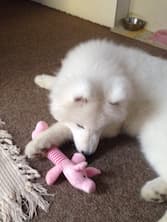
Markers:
<point>133,23</point>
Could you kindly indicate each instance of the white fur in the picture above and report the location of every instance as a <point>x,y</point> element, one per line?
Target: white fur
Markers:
<point>106,88</point>
<point>164,218</point>
<point>44,81</point>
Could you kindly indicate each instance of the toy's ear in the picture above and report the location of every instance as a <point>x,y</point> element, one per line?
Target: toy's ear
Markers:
<point>92,171</point>
<point>80,166</point>
<point>45,81</point>
<point>52,175</point>
<point>78,157</point>
<point>120,91</point>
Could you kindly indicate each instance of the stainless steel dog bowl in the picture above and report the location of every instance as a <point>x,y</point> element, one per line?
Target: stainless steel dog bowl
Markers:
<point>133,23</point>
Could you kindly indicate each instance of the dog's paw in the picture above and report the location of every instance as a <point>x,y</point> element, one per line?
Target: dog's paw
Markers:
<point>155,191</point>
<point>36,148</point>
<point>31,150</point>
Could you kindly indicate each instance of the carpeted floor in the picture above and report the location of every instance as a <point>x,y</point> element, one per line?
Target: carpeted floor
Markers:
<point>33,39</point>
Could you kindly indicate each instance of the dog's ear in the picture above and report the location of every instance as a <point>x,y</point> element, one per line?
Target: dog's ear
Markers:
<point>120,91</point>
<point>45,81</point>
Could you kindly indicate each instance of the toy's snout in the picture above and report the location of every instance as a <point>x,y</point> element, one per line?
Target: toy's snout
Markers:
<point>78,178</point>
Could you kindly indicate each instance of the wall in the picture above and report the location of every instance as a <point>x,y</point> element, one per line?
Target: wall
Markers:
<point>103,12</point>
<point>153,11</point>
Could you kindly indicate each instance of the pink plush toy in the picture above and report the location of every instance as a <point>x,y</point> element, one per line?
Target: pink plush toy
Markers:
<point>74,170</point>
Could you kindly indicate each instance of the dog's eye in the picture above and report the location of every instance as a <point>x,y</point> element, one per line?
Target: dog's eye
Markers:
<point>80,126</point>
<point>114,104</point>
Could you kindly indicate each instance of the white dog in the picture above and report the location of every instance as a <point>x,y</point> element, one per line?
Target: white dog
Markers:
<point>103,88</point>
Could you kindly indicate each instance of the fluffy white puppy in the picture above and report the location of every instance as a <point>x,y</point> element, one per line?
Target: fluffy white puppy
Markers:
<point>101,89</point>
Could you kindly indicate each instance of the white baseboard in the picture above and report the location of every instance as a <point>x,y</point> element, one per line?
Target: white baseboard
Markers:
<point>104,12</point>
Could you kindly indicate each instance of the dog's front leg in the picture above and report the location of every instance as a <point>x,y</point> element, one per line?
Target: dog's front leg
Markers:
<point>56,134</point>
<point>164,218</point>
<point>154,145</point>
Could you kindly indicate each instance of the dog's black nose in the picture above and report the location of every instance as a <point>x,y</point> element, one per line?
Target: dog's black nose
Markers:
<point>87,154</point>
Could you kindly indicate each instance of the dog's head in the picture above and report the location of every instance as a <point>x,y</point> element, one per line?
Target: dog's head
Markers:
<point>88,98</point>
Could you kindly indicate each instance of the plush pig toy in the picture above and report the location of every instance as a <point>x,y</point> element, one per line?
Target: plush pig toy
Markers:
<point>75,170</point>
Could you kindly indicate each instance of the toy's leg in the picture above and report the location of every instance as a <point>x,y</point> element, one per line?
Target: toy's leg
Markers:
<point>154,146</point>
<point>52,175</point>
<point>41,126</point>
<point>54,135</point>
